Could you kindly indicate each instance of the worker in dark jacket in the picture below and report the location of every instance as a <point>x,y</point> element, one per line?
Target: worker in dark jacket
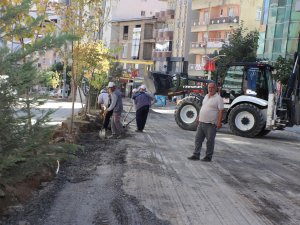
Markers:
<point>142,100</point>
<point>116,106</point>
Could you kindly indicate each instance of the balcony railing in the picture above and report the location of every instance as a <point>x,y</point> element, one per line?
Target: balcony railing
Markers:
<point>222,20</point>
<point>200,23</point>
<point>210,43</point>
<point>196,67</point>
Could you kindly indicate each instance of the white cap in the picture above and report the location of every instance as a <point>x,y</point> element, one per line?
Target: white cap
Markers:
<point>134,90</point>
<point>143,86</point>
<point>111,84</point>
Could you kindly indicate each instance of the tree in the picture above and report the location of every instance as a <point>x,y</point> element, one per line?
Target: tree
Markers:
<point>242,47</point>
<point>31,35</point>
<point>92,60</point>
<point>283,68</point>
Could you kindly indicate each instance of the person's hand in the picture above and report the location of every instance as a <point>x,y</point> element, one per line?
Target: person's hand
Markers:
<point>219,125</point>
<point>104,112</point>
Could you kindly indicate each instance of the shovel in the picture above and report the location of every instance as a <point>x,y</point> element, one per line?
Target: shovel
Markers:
<point>125,125</point>
<point>102,132</point>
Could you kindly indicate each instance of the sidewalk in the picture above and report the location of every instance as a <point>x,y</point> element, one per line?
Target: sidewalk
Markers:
<point>168,109</point>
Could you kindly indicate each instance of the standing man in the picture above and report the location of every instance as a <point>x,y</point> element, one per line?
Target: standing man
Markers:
<point>142,100</point>
<point>116,107</point>
<point>104,102</point>
<point>210,119</point>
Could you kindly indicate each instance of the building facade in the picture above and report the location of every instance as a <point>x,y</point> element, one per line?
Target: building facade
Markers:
<point>135,38</point>
<point>215,23</point>
<point>134,41</point>
<point>173,34</point>
<point>280,30</point>
<point>117,10</point>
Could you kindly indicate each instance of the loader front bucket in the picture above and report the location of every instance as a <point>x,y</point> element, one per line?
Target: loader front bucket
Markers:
<point>161,83</point>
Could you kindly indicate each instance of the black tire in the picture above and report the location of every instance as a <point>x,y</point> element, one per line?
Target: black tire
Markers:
<point>246,120</point>
<point>263,133</point>
<point>187,111</point>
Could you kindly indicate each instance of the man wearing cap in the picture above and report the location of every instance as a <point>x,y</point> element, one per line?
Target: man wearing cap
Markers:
<point>104,102</point>
<point>142,100</point>
<point>116,106</point>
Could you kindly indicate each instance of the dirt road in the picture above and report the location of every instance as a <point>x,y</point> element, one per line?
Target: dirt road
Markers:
<point>147,179</point>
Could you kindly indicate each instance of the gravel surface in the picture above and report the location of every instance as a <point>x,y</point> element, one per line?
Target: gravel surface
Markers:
<point>86,191</point>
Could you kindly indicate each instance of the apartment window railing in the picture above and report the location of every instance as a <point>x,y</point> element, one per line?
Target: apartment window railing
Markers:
<point>200,23</point>
<point>210,43</point>
<point>196,67</point>
<point>222,20</point>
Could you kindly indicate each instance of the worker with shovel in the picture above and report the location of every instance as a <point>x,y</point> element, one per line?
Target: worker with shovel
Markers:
<point>116,106</point>
<point>142,100</point>
<point>104,100</point>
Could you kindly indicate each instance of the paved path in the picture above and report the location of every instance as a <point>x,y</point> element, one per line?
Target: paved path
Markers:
<point>63,110</point>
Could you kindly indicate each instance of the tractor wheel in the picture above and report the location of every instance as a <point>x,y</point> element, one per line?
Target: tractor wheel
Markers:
<point>186,112</point>
<point>246,120</point>
<point>263,133</point>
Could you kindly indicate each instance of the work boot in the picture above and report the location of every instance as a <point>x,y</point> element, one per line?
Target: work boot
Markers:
<point>194,157</point>
<point>206,159</point>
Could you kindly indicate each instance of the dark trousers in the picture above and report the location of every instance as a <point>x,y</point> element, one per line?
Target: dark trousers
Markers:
<point>106,119</point>
<point>208,131</point>
<point>141,117</point>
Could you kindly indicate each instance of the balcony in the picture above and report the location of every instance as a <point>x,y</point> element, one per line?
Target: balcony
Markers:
<point>165,15</point>
<point>166,54</point>
<point>223,23</point>
<point>196,67</point>
<point>164,34</point>
<point>196,70</point>
<point>207,47</point>
<point>199,25</point>
<point>202,4</point>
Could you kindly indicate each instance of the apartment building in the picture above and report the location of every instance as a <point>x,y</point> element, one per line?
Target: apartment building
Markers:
<point>280,31</point>
<point>135,38</point>
<point>173,34</point>
<point>116,10</point>
<point>216,21</point>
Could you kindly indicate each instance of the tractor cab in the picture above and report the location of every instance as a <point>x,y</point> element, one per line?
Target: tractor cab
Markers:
<point>249,79</point>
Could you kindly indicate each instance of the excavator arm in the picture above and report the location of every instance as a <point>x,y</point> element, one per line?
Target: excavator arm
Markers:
<point>292,93</point>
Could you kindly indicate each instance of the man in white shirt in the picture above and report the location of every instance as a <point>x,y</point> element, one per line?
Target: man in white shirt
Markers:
<point>104,102</point>
<point>103,98</point>
<point>210,119</point>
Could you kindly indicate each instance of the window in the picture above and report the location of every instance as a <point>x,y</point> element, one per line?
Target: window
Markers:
<point>124,51</point>
<point>136,42</point>
<point>231,12</point>
<point>233,80</point>
<point>125,33</point>
<point>258,13</point>
<point>143,13</point>
<point>206,17</point>
<point>221,13</point>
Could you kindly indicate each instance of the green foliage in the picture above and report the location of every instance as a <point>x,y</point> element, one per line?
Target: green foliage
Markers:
<point>16,23</point>
<point>283,68</point>
<point>242,47</point>
<point>115,71</point>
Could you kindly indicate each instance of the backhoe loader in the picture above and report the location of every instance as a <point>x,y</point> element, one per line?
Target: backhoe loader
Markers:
<point>253,104</point>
